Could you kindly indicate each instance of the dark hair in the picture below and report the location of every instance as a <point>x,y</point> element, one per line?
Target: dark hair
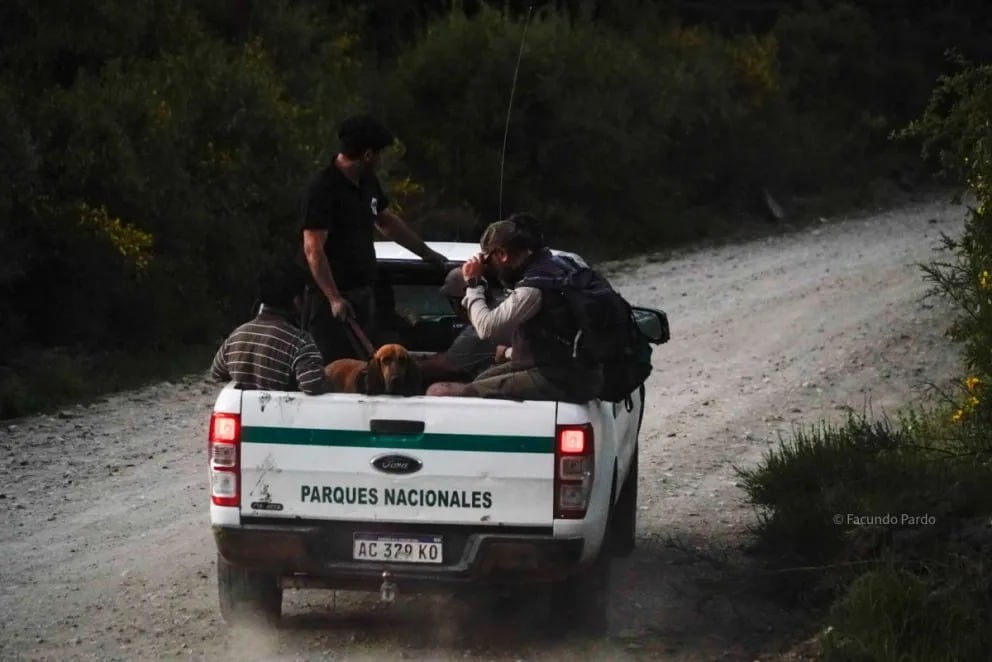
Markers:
<point>521,231</point>
<point>359,133</point>
<point>530,226</point>
<point>279,284</point>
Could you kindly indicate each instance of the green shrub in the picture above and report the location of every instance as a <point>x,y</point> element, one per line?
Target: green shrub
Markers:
<point>912,467</point>
<point>604,128</point>
<point>839,501</point>
<point>955,132</point>
<point>51,378</point>
<point>833,69</point>
<point>935,613</point>
<point>160,164</point>
<point>919,592</point>
<point>152,154</point>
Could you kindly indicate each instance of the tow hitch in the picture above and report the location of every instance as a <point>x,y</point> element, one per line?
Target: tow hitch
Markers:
<point>388,590</point>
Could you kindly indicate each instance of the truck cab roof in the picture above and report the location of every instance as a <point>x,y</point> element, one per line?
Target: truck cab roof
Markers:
<point>455,251</point>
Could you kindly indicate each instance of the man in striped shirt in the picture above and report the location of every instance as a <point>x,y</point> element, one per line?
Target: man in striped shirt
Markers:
<point>270,351</point>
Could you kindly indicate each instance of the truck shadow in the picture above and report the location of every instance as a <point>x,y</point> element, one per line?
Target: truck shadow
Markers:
<point>424,620</point>
<point>686,593</point>
<point>678,597</point>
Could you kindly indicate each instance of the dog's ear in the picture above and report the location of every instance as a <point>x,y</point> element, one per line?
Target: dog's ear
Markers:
<point>413,377</point>
<point>375,383</point>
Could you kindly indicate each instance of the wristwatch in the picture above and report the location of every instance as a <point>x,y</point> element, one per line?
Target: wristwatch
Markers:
<point>475,282</point>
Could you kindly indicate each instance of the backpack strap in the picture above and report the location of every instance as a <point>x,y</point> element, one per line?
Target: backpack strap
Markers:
<point>557,284</point>
<point>564,281</point>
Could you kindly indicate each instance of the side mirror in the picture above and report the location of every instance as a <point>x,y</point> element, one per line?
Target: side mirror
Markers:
<point>653,324</point>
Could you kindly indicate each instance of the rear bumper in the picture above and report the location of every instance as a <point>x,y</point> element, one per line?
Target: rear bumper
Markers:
<point>319,555</point>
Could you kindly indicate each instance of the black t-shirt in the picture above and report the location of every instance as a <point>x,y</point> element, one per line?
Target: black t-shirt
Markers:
<point>348,213</point>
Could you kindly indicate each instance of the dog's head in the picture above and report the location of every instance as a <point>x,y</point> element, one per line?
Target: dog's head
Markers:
<point>392,371</point>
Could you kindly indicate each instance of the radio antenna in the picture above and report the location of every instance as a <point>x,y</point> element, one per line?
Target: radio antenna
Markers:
<point>509,107</point>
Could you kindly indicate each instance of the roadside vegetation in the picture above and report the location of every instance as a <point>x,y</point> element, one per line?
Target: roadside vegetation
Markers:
<point>153,153</point>
<point>891,520</point>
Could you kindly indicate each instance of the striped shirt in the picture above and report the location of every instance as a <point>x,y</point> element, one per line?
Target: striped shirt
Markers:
<point>270,353</point>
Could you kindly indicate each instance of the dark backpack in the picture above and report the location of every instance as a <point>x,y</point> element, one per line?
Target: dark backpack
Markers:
<point>607,332</point>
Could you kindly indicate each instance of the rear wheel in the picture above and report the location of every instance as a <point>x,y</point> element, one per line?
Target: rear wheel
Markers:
<point>247,596</point>
<point>625,514</point>
<point>581,603</point>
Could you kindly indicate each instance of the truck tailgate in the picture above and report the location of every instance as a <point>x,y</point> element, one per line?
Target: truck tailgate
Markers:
<point>393,459</point>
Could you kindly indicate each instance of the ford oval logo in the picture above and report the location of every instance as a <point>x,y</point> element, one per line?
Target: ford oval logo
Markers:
<point>397,464</point>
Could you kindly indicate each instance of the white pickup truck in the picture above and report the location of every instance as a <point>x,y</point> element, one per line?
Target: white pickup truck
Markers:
<point>391,493</point>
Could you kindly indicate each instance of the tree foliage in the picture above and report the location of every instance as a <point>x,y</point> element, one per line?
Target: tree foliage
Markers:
<point>957,136</point>
<point>153,153</point>
<point>154,161</point>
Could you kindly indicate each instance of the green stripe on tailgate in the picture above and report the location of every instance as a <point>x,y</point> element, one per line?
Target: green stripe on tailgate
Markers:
<point>430,441</point>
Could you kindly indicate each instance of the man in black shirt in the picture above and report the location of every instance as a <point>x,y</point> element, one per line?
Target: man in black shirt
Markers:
<point>343,202</point>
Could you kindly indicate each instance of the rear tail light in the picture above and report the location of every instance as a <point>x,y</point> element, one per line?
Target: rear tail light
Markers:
<point>571,440</point>
<point>223,451</point>
<point>574,464</point>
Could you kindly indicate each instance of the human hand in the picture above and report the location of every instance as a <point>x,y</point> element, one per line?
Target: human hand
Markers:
<point>341,309</point>
<point>435,258</point>
<point>501,353</point>
<point>472,268</point>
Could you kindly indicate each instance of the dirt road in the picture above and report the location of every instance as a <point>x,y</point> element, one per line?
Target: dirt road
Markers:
<point>106,545</point>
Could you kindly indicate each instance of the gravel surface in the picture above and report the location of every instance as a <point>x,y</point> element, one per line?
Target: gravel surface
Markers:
<point>105,532</point>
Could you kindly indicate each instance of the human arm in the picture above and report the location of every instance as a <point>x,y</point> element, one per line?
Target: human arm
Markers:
<point>313,249</point>
<point>309,370</point>
<point>218,369</point>
<point>396,229</point>
<point>318,221</point>
<point>521,305</point>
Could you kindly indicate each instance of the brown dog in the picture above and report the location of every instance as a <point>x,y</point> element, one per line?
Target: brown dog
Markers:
<point>392,371</point>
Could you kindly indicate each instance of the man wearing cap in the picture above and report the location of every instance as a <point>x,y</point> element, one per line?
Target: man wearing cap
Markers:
<point>342,204</point>
<point>541,366</point>
<point>469,354</point>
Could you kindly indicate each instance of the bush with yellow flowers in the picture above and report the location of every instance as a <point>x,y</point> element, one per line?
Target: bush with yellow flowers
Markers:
<point>917,587</point>
<point>955,132</point>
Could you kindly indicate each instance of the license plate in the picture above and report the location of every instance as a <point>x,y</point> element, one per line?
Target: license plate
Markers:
<point>397,549</point>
